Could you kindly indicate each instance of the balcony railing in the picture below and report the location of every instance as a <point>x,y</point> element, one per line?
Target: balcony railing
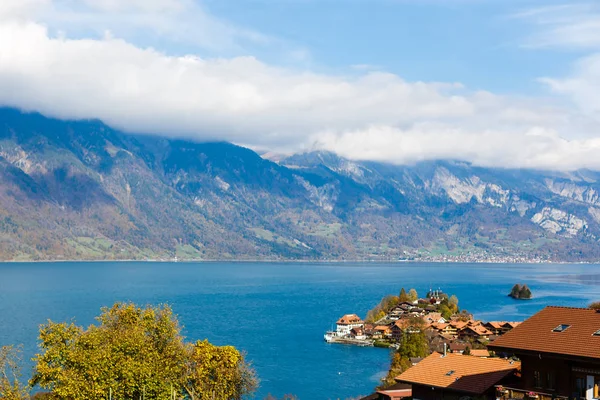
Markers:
<point>509,393</point>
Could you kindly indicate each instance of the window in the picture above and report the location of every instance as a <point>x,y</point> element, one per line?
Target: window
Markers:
<point>561,328</point>
<point>449,373</point>
<point>537,379</point>
<point>550,381</point>
<point>597,333</point>
<point>580,387</point>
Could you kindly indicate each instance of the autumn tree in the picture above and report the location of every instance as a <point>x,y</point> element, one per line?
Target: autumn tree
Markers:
<point>403,296</point>
<point>217,373</point>
<point>135,352</point>
<point>413,295</point>
<point>453,303</point>
<point>11,387</point>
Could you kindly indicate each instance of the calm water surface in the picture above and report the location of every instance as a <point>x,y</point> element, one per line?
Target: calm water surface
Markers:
<point>277,313</point>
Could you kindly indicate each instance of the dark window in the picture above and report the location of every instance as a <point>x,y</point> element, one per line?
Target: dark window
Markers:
<point>561,328</point>
<point>550,381</point>
<point>580,387</point>
<point>537,379</point>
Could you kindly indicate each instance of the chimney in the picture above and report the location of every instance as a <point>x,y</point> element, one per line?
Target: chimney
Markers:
<point>445,347</point>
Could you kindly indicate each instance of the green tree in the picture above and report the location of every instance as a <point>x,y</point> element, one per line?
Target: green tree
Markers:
<point>467,351</point>
<point>445,311</point>
<point>413,295</point>
<point>134,352</point>
<point>10,375</point>
<point>413,344</point>
<point>403,296</point>
<point>595,305</point>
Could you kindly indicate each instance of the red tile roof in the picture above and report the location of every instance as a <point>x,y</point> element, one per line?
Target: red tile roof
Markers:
<point>459,373</point>
<point>536,334</point>
<point>349,319</point>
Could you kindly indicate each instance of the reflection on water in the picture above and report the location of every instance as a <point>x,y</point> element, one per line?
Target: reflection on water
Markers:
<point>581,279</point>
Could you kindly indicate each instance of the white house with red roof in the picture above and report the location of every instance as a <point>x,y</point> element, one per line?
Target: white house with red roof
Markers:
<point>347,323</point>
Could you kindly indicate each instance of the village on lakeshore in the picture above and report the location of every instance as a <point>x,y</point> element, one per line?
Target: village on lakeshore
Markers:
<point>437,314</point>
<point>443,353</point>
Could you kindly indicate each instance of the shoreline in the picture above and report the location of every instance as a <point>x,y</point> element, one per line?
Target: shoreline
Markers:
<point>305,261</point>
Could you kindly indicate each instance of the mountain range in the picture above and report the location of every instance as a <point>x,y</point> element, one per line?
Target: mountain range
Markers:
<point>83,190</point>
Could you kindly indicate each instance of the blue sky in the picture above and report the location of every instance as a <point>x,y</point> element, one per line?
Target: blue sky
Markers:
<point>483,44</point>
<point>510,83</point>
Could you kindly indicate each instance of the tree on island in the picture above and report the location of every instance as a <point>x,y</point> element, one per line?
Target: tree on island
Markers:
<point>520,292</point>
<point>132,353</point>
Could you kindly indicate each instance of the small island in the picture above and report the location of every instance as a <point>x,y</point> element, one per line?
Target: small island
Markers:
<point>520,292</point>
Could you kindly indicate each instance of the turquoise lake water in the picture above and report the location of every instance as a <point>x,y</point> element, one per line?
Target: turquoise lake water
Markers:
<point>278,312</point>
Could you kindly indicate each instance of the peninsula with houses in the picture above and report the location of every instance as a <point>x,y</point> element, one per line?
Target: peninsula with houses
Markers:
<point>436,315</point>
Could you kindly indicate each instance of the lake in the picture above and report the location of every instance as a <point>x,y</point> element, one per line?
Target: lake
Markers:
<point>277,312</point>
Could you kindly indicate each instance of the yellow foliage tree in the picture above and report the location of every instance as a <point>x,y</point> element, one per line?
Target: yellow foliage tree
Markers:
<point>10,374</point>
<point>132,353</point>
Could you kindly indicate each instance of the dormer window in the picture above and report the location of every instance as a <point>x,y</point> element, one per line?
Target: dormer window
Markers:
<point>561,328</point>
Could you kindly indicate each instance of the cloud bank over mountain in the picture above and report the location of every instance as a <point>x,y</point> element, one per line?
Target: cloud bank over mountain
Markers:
<point>52,60</point>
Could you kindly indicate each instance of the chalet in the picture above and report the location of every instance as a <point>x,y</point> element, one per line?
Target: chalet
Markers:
<point>455,376</point>
<point>444,329</point>
<point>496,327</point>
<point>347,323</point>
<point>434,318</point>
<point>395,392</point>
<point>381,331</point>
<point>458,325</point>
<point>358,333</point>
<point>457,347</point>
<point>559,349</point>
<point>479,353</point>
<point>474,333</point>
<point>398,329</point>
<point>500,327</point>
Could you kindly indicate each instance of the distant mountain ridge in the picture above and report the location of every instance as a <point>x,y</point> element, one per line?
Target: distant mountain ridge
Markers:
<point>82,190</point>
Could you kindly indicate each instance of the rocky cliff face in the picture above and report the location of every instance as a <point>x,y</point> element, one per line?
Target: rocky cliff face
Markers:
<point>81,190</point>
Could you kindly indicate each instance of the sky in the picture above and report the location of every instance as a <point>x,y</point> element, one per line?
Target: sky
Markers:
<point>502,83</point>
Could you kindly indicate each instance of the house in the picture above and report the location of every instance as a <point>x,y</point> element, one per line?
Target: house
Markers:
<point>381,331</point>
<point>474,333</point>
<point>559,349</point>
<point>358,333</point>
<point>434,318</point>
<point>479,353</point>
<point>455,376</point>
<point>495,326</point>
<point>457,347</point>
<point>445,329</point>
<point>395,392</point>
<point>458,325</point>
<point>500,327</point>
<point>347,323</point>
<point>398,329</point>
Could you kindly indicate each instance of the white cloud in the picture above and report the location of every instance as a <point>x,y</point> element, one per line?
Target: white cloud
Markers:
<point>571,26</point>
<point>582,86</point>
<point>181,22</point>
<point>365,115</point>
